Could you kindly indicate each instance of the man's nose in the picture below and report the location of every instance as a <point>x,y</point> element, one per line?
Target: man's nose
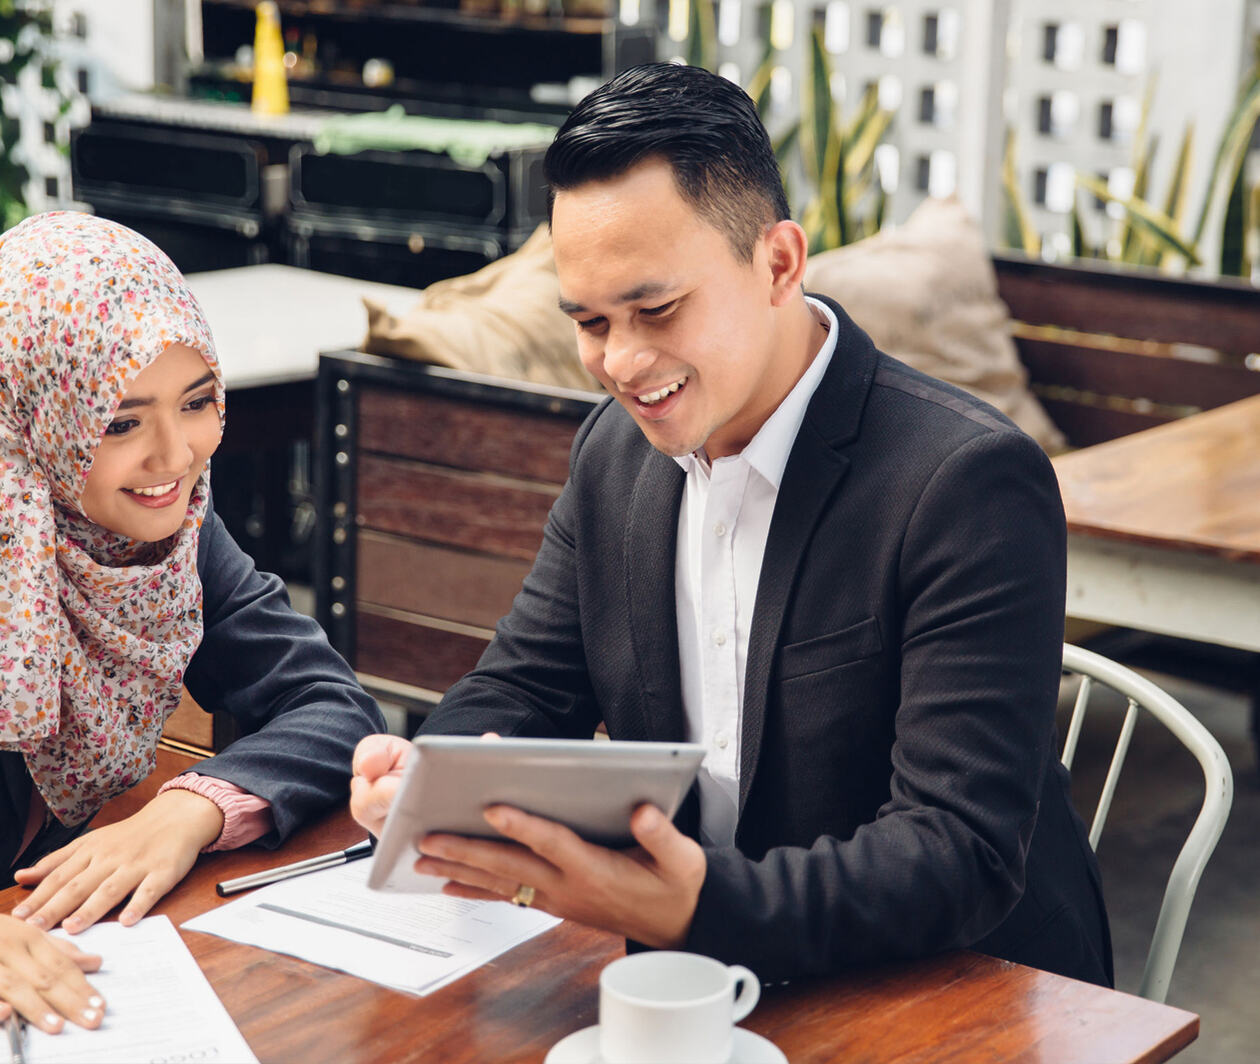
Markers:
<point>626,356</point>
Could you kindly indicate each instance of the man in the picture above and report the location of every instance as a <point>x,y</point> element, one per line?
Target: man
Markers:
<point>844,578</point>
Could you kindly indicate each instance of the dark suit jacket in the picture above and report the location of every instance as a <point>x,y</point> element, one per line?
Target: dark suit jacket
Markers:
<point>297,703</point>
<point>900,792</point>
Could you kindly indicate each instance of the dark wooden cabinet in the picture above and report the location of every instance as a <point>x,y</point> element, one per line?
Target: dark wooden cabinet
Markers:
<point>433,488</point>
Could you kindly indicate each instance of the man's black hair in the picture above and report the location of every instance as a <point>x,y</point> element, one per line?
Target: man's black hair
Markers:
<point>704,126</point>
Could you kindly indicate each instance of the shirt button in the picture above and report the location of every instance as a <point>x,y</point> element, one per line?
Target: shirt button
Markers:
<point>721,740</point>
<point>719,637</point>
<point>719,530</point>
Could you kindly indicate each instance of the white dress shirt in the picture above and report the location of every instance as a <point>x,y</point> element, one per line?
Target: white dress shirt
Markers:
<point>723,523</point>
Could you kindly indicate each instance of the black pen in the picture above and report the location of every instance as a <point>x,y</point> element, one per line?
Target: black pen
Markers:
<point>16,1026</point>
<point>313,864</point>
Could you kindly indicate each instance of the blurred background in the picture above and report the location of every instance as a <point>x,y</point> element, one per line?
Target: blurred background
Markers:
<point>1113,129</point>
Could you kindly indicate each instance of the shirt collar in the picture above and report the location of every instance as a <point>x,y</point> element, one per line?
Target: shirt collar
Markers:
<point>767,452</point>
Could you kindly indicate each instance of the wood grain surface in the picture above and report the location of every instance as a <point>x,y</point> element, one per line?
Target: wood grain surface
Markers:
<point>1193,484</point>
<point>466,435</point>
<point>962,1007</point>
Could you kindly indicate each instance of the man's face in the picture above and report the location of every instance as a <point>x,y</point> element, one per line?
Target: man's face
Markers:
<point>669,319</point>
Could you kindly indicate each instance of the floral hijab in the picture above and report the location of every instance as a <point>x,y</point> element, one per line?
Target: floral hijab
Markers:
<point>96,629</point>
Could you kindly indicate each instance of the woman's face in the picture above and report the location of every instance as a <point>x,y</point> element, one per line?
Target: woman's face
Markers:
<point>164,431</point>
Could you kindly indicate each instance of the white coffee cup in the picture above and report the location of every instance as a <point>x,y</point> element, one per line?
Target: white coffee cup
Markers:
<point>665,1007</point>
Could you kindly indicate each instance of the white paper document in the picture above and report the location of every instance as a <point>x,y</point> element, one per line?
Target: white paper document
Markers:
<point>159,1005</point>
<point>410,942</point>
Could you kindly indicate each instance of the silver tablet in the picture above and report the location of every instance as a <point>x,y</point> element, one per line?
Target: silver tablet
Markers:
<point>589,785</point>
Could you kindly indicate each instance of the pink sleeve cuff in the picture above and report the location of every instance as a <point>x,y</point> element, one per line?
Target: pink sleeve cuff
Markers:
<point>246,817</point>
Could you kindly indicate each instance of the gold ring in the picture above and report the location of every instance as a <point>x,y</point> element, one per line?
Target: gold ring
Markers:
<point>524,896</point>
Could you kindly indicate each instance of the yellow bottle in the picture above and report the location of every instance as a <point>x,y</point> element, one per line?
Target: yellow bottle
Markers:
<point>271,90</point>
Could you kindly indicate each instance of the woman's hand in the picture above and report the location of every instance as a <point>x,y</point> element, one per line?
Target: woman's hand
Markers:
<point>42,978</point>
<point>143,856</point>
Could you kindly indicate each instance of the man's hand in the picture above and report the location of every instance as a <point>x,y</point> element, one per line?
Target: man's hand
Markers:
<point>42,978</point>
<point>378,768</point>
<point>647,893</point>
<point>143,856</point>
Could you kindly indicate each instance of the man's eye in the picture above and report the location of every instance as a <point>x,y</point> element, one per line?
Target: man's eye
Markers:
<point>656,312</point>
<point>121,428</point>
<point>591,325</point>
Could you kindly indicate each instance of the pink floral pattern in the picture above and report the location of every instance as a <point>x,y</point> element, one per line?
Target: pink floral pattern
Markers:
<point>95,629</point>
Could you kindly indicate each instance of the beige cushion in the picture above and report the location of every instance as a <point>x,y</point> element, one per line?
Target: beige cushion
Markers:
<point>927,294</point>
<point>502,320</point>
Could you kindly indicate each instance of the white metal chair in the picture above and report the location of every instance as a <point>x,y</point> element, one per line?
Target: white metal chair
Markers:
<point>1218,781</point>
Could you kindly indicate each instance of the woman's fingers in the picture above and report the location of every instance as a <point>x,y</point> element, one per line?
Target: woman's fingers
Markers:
<point>59,893</point>
<point>42,978</point>
<point>148,853</point>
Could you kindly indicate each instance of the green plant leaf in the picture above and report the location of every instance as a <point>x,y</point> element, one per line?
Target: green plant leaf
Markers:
<point>831,193</point>
<point>1020,232</point>
<point>817,122</point>
<point>1232,148</point>
<point>1179,183</point>
<point>786,143</point>
<point>1178,190</point>
<point>1232,229</point>
<point>1251,234</point>
<point>861,152</point>
<point>867,107</point>
<point>1080,249</point>
<point>701,35</point>
<point>1149,219</point>
<point>1135,246</point>
<point>759,85</point>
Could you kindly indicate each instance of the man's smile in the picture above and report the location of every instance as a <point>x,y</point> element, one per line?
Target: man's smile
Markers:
<point>650,398</point>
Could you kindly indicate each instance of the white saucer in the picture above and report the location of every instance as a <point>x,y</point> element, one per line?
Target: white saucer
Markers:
<point>582,1047</point>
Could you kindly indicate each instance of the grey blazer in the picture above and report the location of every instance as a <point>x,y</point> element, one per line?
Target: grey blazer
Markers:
<point>899,787</point>
<point>298,706</point>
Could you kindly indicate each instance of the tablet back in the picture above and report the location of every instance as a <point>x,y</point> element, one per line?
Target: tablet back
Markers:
<point>590,786</point>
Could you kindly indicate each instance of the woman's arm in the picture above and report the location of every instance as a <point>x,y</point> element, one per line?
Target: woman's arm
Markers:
<point>300,711</point>
<point>297,703</point>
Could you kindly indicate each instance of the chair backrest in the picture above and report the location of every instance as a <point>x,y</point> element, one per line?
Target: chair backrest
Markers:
<point>1218,779</point>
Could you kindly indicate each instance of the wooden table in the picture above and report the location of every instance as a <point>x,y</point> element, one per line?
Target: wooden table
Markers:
<point>962,1007</point>
<point>1164,528</point>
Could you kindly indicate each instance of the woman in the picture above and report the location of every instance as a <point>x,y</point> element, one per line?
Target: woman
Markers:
<point>118,586</point>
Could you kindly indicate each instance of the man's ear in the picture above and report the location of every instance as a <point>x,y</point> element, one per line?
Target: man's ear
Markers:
<point>787,250</point>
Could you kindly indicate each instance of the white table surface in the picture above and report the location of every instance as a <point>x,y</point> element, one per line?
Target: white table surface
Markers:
<point>1181,593</point>
<point>270,322</point>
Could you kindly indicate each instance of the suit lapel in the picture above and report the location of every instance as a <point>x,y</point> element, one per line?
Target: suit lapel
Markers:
<point>812,477</point>
<point>648,557</point>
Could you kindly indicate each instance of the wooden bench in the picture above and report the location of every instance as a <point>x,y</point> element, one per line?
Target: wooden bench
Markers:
<point>433,485</point>
<point>432,488</point>
<point>1110,353</point>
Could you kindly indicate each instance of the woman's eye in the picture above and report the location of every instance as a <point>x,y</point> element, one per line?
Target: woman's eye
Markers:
<point>121,428</point>
<point>200,403</point>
